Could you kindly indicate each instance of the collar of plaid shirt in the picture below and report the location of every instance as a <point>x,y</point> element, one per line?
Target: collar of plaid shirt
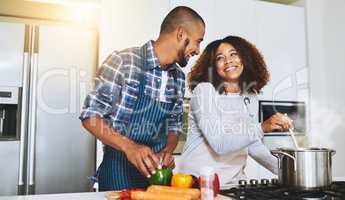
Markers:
<point>152,59</point>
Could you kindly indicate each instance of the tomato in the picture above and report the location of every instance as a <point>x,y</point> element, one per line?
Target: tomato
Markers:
<point>182,180</point>
<point>195,183</point>
<point>126,193</point>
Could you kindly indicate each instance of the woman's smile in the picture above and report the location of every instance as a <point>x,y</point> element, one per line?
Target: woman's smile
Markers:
<point>230,68</point>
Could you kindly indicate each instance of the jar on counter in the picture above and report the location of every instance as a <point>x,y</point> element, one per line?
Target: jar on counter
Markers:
<point>206,183</point>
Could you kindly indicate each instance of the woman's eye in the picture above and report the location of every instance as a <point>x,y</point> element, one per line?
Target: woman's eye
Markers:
<point>233,54</point>
<point>220,58</point>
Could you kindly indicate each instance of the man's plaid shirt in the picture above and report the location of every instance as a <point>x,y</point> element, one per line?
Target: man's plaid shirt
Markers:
<point>117,87</point>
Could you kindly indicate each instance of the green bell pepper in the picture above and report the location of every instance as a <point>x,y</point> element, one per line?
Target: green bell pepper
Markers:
<point>161,177</point>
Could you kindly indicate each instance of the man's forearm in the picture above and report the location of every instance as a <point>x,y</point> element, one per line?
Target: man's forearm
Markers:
<point>105,133</point>
<point>172,141</point>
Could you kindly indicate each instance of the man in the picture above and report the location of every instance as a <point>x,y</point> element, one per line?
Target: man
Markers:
<point>136,106</point>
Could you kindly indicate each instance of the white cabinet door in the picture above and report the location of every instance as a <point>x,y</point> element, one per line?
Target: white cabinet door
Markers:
<point>281,39</point>
<point>11,53</point>
<point>235,17</point>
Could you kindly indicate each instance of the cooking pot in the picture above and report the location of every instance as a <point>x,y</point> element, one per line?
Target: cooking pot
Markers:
<point>304,168</point>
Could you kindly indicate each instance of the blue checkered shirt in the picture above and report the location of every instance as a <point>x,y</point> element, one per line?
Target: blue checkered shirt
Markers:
<point>117,87</point>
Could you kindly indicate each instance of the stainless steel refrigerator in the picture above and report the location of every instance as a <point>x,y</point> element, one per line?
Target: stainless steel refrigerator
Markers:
<point>45,73</point>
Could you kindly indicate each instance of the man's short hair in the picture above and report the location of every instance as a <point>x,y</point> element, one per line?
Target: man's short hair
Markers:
<point>179,16</point>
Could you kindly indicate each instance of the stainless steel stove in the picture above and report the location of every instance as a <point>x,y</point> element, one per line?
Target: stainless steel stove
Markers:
<point>265,189</point>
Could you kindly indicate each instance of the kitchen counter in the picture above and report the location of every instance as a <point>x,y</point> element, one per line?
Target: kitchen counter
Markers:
<point>90,195</point>
<point>72,196</point>
<point>62,196</point>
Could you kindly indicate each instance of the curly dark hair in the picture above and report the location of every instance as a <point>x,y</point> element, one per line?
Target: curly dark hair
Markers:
<point>253,78</point>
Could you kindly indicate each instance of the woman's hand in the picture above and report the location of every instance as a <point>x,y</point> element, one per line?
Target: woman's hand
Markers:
<point>143,158</point>
<point>168,160</point>
<point>277,122</point>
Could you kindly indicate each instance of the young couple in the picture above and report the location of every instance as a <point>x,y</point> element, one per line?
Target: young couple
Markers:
<point>144,86</point>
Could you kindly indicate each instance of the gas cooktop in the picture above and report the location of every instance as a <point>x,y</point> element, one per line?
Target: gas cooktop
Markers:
<point>270,190</point>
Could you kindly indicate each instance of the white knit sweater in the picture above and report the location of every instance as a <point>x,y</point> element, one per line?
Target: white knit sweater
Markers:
<point>222,132</point>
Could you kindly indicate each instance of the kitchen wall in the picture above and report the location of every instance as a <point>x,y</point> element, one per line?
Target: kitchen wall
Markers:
<point>326,51</point>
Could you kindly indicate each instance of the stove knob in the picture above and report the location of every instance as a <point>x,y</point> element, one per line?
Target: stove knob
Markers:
<point>242,183</point>
<point>274,181</point>
<point>253,182</point>
<point>264,181</point>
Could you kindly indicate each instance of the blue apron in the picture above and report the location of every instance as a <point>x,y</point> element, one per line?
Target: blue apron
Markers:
<point>146,126</point>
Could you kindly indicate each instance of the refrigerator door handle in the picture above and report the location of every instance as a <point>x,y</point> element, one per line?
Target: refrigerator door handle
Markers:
<point>24,106</point>
<point>30,186</point>
<point>23,124</point>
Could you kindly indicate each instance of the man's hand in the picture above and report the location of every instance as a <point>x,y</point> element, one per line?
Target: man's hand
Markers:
<point>143,158</point>
<point>168,160</point>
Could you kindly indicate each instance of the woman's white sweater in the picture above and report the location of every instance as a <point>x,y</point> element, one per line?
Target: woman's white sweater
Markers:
<point>222,131</point>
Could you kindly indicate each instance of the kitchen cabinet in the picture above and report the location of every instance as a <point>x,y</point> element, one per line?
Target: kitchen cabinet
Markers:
<point>281,38</point>
<point>234,17</point>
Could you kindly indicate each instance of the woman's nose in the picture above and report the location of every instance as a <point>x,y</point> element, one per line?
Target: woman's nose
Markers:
<point>228,60</point>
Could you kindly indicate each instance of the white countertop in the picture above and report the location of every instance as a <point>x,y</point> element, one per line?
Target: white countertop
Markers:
<point>72,196</point>
<point>63,196</point>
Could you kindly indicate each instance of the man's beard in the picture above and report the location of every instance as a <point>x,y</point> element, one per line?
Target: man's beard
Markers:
<point>182,61</point>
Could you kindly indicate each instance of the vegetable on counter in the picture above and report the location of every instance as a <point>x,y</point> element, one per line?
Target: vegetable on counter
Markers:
<point>195,182</point>
<point>158,196</point>
<point>126,194</point>
<point>160,189</point>
<point>161,177</point>
<point>192,192</point>
<point>182,180</point>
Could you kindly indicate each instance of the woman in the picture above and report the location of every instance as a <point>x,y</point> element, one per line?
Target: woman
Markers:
<point>223,126</point>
